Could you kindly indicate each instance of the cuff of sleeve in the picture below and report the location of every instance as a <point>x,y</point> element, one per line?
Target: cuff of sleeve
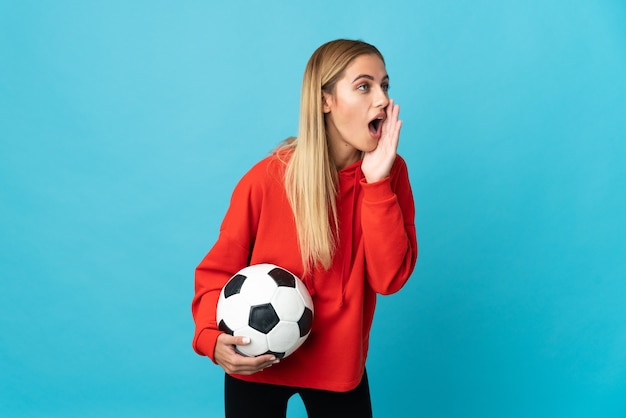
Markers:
<point>205,343</point>
<point>379,191</point>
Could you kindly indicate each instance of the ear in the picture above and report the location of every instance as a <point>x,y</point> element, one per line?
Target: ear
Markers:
<point>327,101</point>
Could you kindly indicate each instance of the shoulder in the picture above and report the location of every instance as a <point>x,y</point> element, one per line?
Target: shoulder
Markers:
<point>399,161</point>
<point>399,174</point>
<point>399,166</point>
<point>269,170</point>
<point>273,164</point>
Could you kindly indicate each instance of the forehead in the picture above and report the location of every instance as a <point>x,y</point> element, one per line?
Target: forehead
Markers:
<point>369,64</point>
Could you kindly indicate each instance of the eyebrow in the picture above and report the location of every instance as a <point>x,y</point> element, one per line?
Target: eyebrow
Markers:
<point>369,77</point>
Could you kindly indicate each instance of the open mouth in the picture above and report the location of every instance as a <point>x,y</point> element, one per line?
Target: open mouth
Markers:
<point>376,126</point>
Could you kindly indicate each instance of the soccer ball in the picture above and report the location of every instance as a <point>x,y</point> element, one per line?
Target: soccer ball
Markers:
<point>269,305</point>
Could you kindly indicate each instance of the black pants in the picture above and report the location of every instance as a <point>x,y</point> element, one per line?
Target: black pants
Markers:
<point>259,400</point>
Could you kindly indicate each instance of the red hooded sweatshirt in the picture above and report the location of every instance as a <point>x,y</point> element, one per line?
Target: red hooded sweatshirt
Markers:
<point>376,254</point>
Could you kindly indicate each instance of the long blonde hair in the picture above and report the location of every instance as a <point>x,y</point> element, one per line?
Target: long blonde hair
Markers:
<point>311,175</point>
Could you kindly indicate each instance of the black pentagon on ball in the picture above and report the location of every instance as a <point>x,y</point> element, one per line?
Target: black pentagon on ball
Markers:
<point>305,322</point>
<point>224,328</point>
<point>263,318</point>
<point>282,277</point>
<point>234,285</point>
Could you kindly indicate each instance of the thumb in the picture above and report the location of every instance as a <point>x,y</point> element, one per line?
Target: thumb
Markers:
<point>228,339</point>
<point>242,340</point>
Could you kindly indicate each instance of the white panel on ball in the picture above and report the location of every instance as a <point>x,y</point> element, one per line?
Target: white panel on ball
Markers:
<point>288,304</point>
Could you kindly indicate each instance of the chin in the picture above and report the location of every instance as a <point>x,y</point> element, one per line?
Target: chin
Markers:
<point>370,147</point>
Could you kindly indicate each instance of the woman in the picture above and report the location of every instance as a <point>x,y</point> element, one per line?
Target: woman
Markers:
<point>334,206</point>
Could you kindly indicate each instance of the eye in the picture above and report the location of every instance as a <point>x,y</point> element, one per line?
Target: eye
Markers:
<point>363,87</point>
<point>385,87</point>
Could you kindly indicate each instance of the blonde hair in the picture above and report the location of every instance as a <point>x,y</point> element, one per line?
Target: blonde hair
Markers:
<point>311,175</point>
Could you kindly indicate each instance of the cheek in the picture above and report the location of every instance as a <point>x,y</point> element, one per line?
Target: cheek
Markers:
<point>350,112</point>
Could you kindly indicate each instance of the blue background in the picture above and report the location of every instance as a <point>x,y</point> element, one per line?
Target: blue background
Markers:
<point>124,126</point>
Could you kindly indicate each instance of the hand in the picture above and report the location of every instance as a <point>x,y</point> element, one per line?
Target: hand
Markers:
<point>233,362</point>
<point>377,164</point>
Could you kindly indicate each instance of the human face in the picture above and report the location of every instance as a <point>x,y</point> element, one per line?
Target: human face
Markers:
<point>355,109</point>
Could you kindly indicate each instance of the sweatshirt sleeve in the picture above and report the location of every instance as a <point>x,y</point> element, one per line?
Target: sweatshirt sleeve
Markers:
<point>229,254</point>
<point>388,223</point>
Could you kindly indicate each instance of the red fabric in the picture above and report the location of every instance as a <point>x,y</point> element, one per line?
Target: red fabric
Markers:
<point>376,255</point>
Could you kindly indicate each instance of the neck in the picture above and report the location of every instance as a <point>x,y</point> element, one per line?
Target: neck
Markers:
<point>342,153</point>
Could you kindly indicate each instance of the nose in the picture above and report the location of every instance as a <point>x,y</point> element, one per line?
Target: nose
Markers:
<point>382,98</point>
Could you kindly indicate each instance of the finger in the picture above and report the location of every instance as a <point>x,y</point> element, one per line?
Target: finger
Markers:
<point>398,127</point>
<point>234,340</point>
<point>389,112</point>
<point>395,122</point>
<point>392,112</point>
<point>228,339</point>
<point>242,340</point>
<point>249,363</point>
<point>389,106</point>
<point>389,138</point>
<point>264,361</point>
<point>258,362</point>
<point>252,365</point>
